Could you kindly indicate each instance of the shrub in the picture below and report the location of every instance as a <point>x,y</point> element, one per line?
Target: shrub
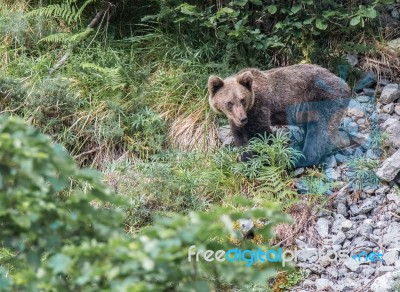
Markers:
<point>54,238</point>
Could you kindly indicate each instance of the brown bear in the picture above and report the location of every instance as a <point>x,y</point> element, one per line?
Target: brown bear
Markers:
<point>305,95</point>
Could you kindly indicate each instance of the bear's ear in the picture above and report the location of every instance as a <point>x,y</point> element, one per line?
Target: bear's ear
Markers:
<point>245,79</point>
<point>214,84</point>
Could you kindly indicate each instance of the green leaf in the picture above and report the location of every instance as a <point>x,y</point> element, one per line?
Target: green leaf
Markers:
<point>272,9</point>
<point>370,13</point>
<point>296,8</point>
<point>256,2</point>
<point>59,263</point>
<point>297,24</point>
<point>308,21</point>
<point>240,2</point>
<point>386,1</point>
<point>355,20</point>
<point>321,24</point>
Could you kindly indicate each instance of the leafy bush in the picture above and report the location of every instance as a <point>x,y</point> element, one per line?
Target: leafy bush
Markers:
<point>54,238</point>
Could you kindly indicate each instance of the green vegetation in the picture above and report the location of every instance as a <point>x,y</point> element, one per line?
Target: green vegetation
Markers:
<point>121,87</point>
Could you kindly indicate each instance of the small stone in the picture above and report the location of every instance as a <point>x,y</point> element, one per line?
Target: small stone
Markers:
<point>389,108</point>
<point>390,167</point>
<point>354,209</point>
<point>384,269</point>
<point>367,81</point>
<point>365,229</point>
<point>390,93</point>
<point>341,158</point>
<point>246,225</point>
<point>339,238</point>
<point>383,190</point>
<point>332,174</point>
<point>342,209</point>
<point>298,171</point>
<point>322,227</point>
<point>394,44</point>
<point>355,109</point>
<point>397,109</point>
<point>346,225</point>
<point>393,132</point>
<point>367,206</point>
<point>359,138</point>
<point>392,196</point>
<point>364,98</point>
<point>369,92</point>
<point>323,284</point>
<point>388,122</point>
<point>391,237</point>
<point>351,264</point>
<point>391,257</point>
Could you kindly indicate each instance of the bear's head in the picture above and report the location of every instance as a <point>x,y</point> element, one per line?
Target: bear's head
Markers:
<point>233,96</point>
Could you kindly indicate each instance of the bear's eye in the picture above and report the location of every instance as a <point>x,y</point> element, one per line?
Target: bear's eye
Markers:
<point>229,105</point>
<point>243,101</point>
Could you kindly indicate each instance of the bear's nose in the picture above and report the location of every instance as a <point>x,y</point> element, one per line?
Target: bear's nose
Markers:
<point>244,121</point>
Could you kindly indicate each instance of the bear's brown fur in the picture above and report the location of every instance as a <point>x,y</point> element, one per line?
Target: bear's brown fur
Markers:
<point>306,95</point>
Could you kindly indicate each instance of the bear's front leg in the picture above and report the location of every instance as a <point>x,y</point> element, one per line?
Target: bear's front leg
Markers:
<point>241,138</point>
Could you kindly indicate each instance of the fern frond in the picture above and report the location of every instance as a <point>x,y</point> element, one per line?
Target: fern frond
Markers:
<point>62,37</point>
<point>112,76</point>
<point>64,11</point>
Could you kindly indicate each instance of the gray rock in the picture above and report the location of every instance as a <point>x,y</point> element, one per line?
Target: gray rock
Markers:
<point>367,206</point>
<point>246,225</point>
<point>342,209</point>
<point>391,237</point>
<point>322,227</point>
<point>369,92</point>
<point>394,44</point>
<point>390,93</point>
<point>365,229</point>
<point>382,190</point>
<point>359,138</point>
<point>397,109</point>
<point>365,98</point>
<point>339,238</point>
<point>386,283</point>
<point>354,209</point>
<point>389,108</point>
<point>309,283</point>
<point>346,225</point>
<point>384,269</point>
<point>355,109</point>
<point>388,122</point>
<point>337,223</point>
<point>332,174</point>
<point>390,167</point>
<point>395,13</point>
<point>298,171</point>
<point>351,264</point>
<point>393,196</point>
<point>349,125</point>
<point>393,132</point>
<point>368,271</point>
<point>323,284</point>
<point>340,158</point>
<point>391,257</point>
